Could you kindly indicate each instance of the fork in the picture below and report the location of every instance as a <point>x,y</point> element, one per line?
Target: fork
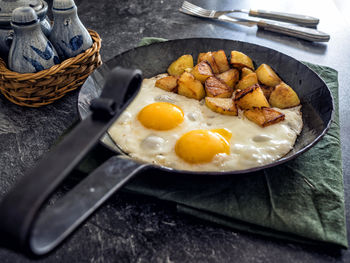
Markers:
<point>305,33</point>
<point>284,17</point>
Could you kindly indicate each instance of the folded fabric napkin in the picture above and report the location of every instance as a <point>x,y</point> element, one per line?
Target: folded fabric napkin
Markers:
<point>301,200</point>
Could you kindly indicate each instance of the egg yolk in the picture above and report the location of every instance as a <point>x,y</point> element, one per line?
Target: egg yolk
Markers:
<point>161,116</point>
<point>200,146</point>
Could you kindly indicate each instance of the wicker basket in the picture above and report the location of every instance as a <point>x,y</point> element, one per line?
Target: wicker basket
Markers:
<point>46,86</point>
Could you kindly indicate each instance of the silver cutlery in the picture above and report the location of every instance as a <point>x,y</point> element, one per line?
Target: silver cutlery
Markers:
<point>305,33</point>
<point>302,20</point>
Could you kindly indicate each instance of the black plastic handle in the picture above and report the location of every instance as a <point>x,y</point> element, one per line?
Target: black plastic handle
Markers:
<point>21,206</point>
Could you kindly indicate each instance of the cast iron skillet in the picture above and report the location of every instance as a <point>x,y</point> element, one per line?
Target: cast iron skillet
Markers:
<point>41,232</point>
<point>316,99</point>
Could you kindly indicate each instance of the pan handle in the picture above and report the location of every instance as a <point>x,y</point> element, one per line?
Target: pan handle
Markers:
<point>21,206</point>
<point>56,222</point>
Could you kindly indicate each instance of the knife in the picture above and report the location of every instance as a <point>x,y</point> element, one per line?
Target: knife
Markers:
<point>305,33</point>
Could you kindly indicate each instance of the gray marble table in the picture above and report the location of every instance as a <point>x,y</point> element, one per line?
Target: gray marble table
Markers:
<point>133,229</point>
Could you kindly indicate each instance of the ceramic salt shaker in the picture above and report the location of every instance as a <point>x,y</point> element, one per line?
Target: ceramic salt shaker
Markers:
<point>68,35</point>
<point>30,50</point>
<point>6,32</point>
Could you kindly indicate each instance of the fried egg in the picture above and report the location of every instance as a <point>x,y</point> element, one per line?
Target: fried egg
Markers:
<point>171,130</point>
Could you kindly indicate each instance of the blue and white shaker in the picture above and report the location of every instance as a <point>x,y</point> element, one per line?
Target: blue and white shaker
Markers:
<point>68,35</point>
<point>30,50</point>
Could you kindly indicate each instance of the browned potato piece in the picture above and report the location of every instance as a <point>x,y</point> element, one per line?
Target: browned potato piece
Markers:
<point>217,88</point>
<point>168,83</point>
<point>178,66</point>
<point>221,61</point>
<point>190,87</point>
<point>267,90</point>
<point>247,81</point>
<point>245,71</point>
<point>202,71</point>
<point>251,97</point>
<point>267,76</point>
<point>230,77</point>
<point>225,106</point>
<point>210,58</point>
<point>264,116</point>
<point>240,60</point>
<point>283,96</point>
<point>203,57</point>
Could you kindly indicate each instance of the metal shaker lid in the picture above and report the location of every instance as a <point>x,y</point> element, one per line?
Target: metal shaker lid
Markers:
<point>7,7</point>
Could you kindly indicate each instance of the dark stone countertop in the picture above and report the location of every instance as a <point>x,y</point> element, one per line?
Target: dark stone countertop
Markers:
<point>133,229</point>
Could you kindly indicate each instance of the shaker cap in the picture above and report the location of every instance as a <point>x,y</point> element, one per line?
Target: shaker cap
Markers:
<point>63,4</point>
<point>24,15</point>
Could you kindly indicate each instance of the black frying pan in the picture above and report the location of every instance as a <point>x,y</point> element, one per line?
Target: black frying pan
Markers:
<point>40,231</point>
<point>316,98</point>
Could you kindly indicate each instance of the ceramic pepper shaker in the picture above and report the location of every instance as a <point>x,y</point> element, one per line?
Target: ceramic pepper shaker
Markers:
<point>30,50</point>
<point>68,35</point>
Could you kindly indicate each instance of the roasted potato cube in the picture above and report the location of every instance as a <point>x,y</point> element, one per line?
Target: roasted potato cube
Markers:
<point>190,87</point>
<point>251,97</point>
<point>168,83</point>
<point>230,77</point>
<point>283,96</point>
<point>264,116</point>
<point>240,60</point>
<point>267,90</point>
<point>225,106</point>
<point>202,71</point>
<point>245,71</point>
<point>221,61</point>
<point>217,88</point>
<point>210,58</point>
<point>247,81</point>
<point>178,66</point>
<point>267,76</point>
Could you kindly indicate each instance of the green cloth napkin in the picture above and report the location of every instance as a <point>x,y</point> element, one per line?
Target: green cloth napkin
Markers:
<point>301,200</point>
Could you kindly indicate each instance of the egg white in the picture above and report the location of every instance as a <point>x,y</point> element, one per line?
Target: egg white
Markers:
<point>250,145</point>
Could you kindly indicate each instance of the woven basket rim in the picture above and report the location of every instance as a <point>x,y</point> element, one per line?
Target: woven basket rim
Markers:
<point>46,86</point>
<point>7,73</point>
